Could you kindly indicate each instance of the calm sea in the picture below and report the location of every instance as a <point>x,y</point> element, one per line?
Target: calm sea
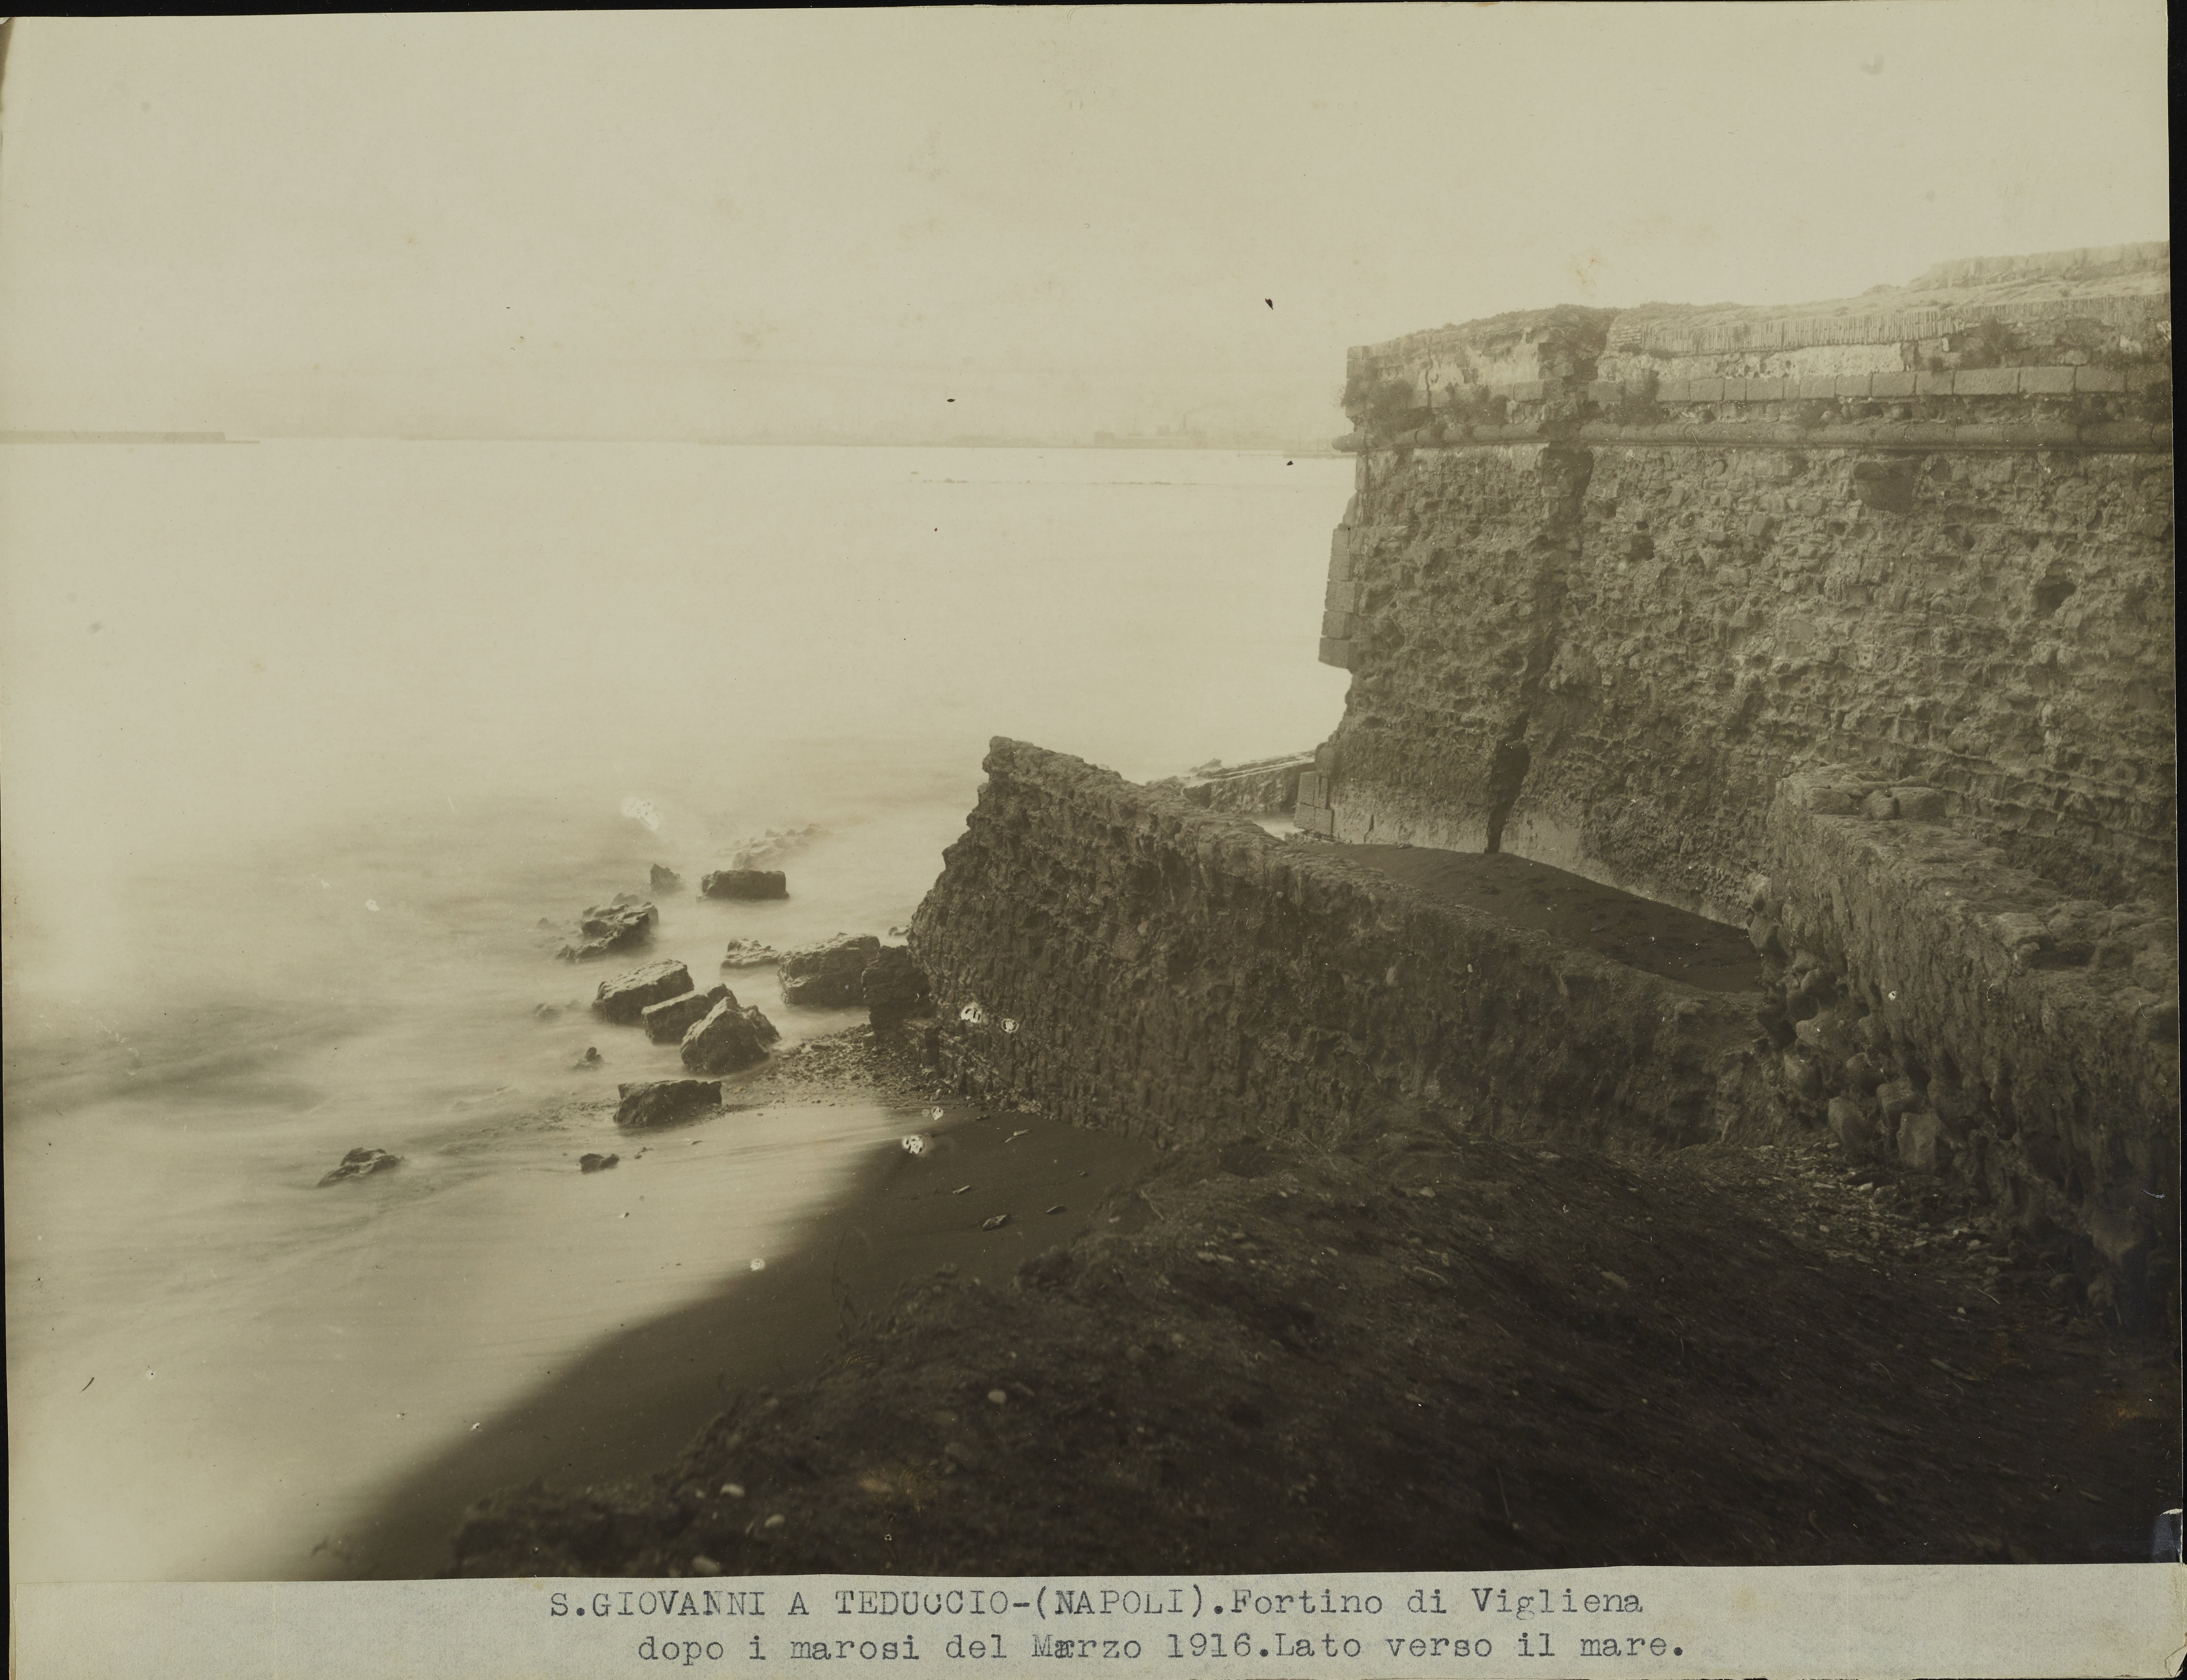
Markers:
<point>303,740</point>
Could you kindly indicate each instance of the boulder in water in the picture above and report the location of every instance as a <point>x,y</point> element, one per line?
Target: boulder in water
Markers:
<point>656,1102</point>
<point>724,1042</point>
<point>596,1163</point>
<point>893,986</point>
<point>624,999</point>
<point>623,925</point>
<point>668,1020</point>
<point>762,1028</point>
<point>749,953</point>
<point>361,1164</point>
<point>827,974</point>
<point>664,880</point>
<point>745,884</point>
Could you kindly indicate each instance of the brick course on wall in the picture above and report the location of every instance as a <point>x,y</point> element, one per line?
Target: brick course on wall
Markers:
<point>1123,957</point>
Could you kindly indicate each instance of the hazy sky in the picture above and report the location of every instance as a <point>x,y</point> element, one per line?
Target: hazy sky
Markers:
<point>1063,219</point>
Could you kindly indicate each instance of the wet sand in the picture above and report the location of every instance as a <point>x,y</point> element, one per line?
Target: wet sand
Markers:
<point>634,1403</point>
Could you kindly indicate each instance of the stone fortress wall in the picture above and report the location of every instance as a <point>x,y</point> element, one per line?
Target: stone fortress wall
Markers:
<point>1852,623</point>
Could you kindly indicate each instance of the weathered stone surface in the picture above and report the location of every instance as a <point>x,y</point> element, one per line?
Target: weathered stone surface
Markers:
<point>658,1102</point>
<point>749,953</point>
<point>667,1021</point>
<point>624,999</point>
<point>605,929</point>
<point>1128,960</point>
<point>725,1041</point>
<point>665,880</point>
<point>1266,787</point>
<point>763,1030</point>
<point>1923,1145</point>
<point>361,1164</point>
<point>2019,1039</point>
<point>745,884</point>
<point>892,985</point>
<point>826,974</point>
<point>1851,1125</point>
<point>1503,609</point>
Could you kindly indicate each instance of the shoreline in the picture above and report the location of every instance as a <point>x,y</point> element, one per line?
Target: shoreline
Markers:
<point>1436,1348</point>
<point>634,1402</point>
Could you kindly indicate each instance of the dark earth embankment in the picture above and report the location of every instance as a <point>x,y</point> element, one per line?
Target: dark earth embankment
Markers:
<point>1427,1349</point>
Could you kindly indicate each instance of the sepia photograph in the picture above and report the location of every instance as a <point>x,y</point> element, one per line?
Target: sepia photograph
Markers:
<point>988,793</point>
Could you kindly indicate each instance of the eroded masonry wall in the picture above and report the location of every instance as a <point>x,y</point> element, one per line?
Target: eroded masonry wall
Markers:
<point>1937,1006</point>
<point>1125,959</point>
<point>1604,653</point>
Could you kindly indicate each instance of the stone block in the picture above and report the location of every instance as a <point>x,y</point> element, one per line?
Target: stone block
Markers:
<point>1896,1097</point>
<point>1340,598</point>
<point>1811,390</point>
<point>1310,786</point>
<point>1340,555</point>
<point>1890,384</point>
<point>1932,384</point>
<point>1673,390</point>
<point>2148,379</point>
<point>1604,393</point>
<point>2046,381</point>
<point>2098,379</point>
<point>1923,1144</point>
<point>1336,653</point>
<point>1802,1076</point>
<point>1850,1125</point>
<point>1527,390</point>
<point>1881,805</point>
<point>1336,625</point>
<point>1920,805</point>
<point>1324,758</point>
<point>1826,801</point>
<point>1850,384</point>
<point>1770,391</point>
<point>1705,390</point>
<point>1985,382</point>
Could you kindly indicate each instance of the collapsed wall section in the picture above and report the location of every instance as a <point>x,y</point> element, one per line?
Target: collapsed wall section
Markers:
<point>1124,958</point>
<point>1933,1004</point>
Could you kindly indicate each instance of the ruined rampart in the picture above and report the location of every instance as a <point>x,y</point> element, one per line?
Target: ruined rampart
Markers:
<point>1120,957</point>
<point>1850,623</point>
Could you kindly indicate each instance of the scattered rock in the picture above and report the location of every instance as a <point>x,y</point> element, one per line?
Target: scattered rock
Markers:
<point>997,1397</point>
<point>624,999</point>
<point>545,1012</point>
<point>609,928</point>
<point>668,1020</point>
<point>656,1102</point>
<point>361,1164</point>
<point>749,953</point>
<point>591,1058</point>
<point>996,1224</point>
<point>703,1564</point>
<point>744,884</point>
<point>664,880</point>
<point>596,1163</point>
<point>892,985</point>
<point>725,1041</point>
<point>762,1028</point>
<point>827,974</point>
